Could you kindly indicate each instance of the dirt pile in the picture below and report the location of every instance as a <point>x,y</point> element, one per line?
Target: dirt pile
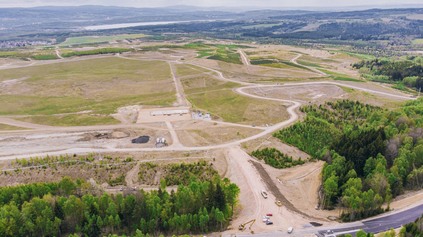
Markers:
<point>104,135</point>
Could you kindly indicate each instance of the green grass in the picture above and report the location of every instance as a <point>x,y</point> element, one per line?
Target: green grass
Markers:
<point>276,63</point>
<point>71,120</point>
<point>417,42</point>
<point>309,64</point>
<point>216,97</point>
<point>339,76</point>
<point>361,56</point>
<point>232,107</point>
<point>5,127</point>
<point>98,39</point>
<point>44,56</point>
<point>221,52</point>
<point>14,54</point>
<point>95,52</point>
<point>101,85</point>
<point>36,55</point>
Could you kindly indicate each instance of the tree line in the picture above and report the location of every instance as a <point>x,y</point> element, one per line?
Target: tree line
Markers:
<point>275,158</point>
<point>408,70</point>
<point>68,208</point>
<point>372,154</point>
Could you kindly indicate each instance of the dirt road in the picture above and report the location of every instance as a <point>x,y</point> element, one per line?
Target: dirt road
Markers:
<point>294,61</point>
<point>181,100</point>
<point>254,206</point>
<point>244,58</point>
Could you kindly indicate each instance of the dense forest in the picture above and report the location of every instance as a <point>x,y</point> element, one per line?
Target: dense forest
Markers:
<point>275,158</point>
<point>372,154</point>
<point>68,208</point>
<point>407,71</point>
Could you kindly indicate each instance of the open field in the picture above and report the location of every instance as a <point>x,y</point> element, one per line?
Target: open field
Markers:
<point>418,42</point>
<point>98,39</point>
<point>97,85</point>
<point>201,133</point>
<point>215,96</point>
<point>70,119</point>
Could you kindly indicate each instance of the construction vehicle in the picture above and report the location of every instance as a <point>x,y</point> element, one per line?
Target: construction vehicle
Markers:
<point>278,203</point>
<point>242,226</point>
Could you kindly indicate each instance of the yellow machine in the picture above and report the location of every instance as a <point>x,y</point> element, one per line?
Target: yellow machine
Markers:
<point>242,226</point>
<point>278,203</point>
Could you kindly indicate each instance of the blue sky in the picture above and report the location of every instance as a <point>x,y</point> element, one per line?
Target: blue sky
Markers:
<point>209,3</point>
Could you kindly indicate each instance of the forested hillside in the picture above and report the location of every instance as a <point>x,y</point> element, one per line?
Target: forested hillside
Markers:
<point>407,71</point>
<point>372,154</point>
<point>68,207</point>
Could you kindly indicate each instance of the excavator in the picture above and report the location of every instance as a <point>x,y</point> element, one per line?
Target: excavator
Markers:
<point>242,226</point>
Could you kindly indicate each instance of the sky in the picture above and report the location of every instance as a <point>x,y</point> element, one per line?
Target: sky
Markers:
<point>210,3</point>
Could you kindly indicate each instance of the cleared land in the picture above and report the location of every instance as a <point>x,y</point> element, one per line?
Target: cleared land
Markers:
<point>202,133</point>
<point>209,94</point>
<point>98,39</point>
<point>97,85</point>
<point>418,42</point>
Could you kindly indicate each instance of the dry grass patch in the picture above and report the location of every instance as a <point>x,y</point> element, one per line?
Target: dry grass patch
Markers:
<point>5,127</point>
<point>101,85</point>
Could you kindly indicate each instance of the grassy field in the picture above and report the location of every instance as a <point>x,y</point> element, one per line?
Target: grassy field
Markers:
<point>43,54</point>
<point>276,63</point>
<point>95,52</point>
<point>5,127</point>
<point>222,52</point>
<point>101,85</point>
<point>418,42</point>
<point>215,96</point>
<point>339,77</point>
<point>98,39</point>
<point>71,120</point>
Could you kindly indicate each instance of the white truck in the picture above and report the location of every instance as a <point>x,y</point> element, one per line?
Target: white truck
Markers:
<point>290,229</point>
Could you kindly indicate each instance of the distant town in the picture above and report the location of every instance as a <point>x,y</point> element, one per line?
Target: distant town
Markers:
<point>9,44</point>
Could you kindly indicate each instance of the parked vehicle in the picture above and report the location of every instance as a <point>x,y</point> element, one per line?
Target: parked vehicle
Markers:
<point>269,223</point>
<point>269,214</point>
<point>290,229</point>
<point>264,194</point>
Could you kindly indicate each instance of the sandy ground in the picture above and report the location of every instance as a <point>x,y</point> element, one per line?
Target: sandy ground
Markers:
<point>202,133</point>
<point>311,93</point>
<point>50,141</point>
<point>306,180</point>
<point>272,142</point>
<point>252,204</point>
<point>144,115</point>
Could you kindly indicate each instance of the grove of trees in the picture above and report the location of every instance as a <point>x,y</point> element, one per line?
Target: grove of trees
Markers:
<point>68,208</point>
<point>275,158</point>
<point>372,155</point>
<point>408,71</point>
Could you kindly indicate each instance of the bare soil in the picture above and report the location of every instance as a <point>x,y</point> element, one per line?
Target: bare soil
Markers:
<point>201,133</point>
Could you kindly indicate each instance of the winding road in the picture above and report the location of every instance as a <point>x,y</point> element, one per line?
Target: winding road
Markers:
<point>373,225</point>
